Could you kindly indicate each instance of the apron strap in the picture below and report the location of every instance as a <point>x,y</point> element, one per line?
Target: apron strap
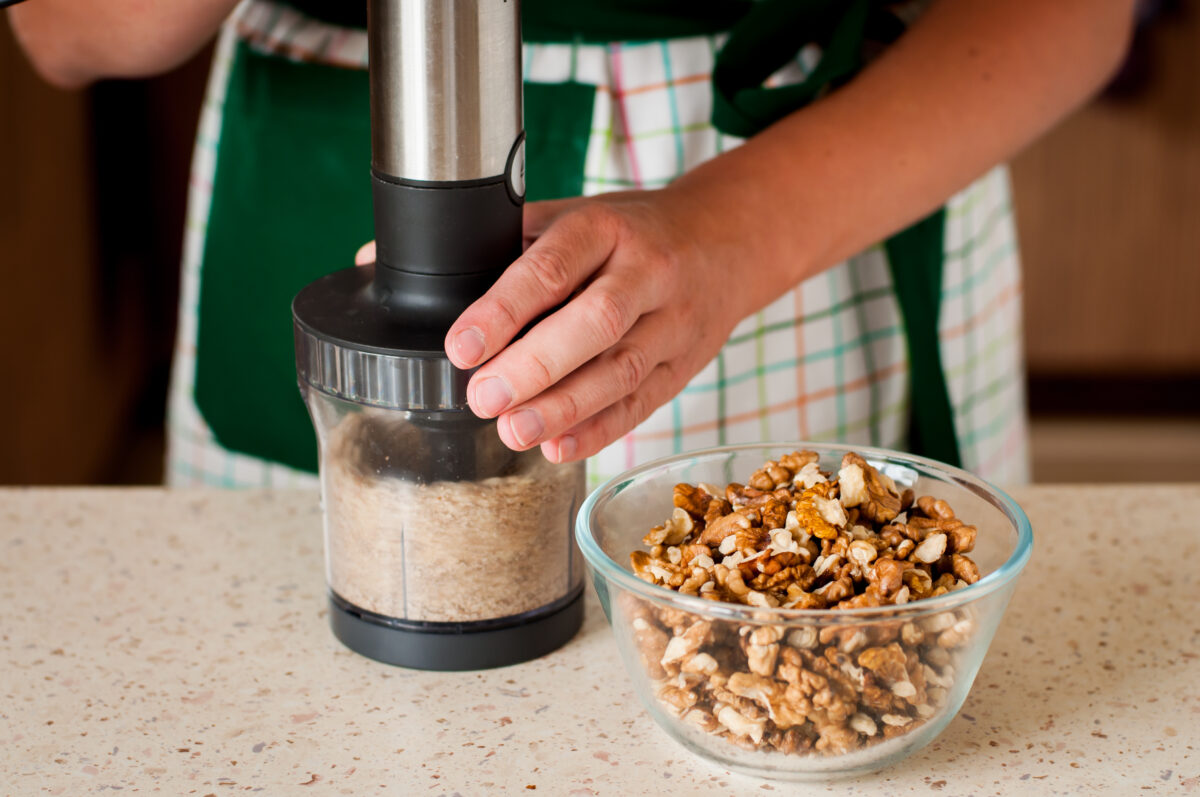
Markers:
<point>558,124</point>
<point>763,41</point>
<point>915,257</point>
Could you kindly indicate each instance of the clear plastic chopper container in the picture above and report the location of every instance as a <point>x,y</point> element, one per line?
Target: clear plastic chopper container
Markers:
<point>443,548</point>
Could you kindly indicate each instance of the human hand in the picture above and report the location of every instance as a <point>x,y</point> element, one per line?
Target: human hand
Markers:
<point>645,304</point>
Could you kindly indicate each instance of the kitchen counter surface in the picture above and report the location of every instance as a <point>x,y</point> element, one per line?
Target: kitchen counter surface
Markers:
<point>177,643</point>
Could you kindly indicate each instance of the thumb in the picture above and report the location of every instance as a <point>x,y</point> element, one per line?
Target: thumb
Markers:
<point>365,255</point>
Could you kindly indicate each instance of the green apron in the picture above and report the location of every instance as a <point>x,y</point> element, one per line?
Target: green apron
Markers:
<point>287,210</point>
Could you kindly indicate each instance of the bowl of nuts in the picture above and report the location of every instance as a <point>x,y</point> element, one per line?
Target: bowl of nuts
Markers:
<point>802,611</point>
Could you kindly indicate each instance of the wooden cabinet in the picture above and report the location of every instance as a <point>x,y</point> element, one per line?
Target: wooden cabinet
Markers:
<point>88,263</point>
<point>1108,206</point>
<point>66,383</point>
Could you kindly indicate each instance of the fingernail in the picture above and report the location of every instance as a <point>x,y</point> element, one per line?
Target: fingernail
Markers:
<point>526,426</point>
<point>468,345</point>
<point>567,445</point>
<point>492,396</point>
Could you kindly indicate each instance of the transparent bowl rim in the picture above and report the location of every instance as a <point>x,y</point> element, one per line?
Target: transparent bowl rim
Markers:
<point>1002,576</point>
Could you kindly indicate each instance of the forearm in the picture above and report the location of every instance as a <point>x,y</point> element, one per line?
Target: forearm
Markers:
<point>972,83</point>
<point>73,42</point>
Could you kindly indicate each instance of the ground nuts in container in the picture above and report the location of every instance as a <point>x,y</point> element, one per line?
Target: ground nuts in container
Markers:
<point>446,551</point>
<point>796,537</point>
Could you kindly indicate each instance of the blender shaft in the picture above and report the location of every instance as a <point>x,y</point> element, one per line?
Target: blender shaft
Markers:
<point>445,88</point>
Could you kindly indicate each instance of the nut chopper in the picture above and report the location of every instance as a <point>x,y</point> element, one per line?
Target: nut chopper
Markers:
<point>444,549</point>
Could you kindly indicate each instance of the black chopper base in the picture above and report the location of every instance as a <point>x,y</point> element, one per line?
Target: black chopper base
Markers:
<point>456,646</point>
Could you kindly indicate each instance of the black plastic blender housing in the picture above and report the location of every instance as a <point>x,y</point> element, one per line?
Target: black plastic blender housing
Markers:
<point>448,188</point>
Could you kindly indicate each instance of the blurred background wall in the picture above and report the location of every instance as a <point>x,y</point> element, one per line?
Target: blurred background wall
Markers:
<point>91,217</point>
<point>92,190</point>
<point>1108,209</point>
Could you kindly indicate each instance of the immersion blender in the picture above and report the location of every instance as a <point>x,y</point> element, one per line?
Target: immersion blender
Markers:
<point>448,188</point>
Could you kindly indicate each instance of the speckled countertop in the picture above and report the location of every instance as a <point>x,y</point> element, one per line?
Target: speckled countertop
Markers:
<point>176,643</point>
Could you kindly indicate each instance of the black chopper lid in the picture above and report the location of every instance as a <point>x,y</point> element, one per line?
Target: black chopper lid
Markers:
<point>348,344</point>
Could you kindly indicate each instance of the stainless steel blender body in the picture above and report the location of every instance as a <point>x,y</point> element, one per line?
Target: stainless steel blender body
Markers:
<point>455,66</point>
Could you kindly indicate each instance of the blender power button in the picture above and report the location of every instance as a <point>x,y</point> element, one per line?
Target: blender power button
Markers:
<point>516,170</point>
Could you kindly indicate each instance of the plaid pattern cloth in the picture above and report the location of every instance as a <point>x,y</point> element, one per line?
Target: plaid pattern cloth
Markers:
<point>826,361</point>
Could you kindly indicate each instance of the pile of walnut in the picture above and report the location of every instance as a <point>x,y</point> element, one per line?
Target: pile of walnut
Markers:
<point>796,537</point>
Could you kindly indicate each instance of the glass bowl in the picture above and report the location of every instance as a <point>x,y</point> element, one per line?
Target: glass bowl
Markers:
<point>738,706</point>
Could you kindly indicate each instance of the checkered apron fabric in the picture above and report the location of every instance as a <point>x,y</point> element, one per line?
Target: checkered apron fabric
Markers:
<point>826,361</point>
